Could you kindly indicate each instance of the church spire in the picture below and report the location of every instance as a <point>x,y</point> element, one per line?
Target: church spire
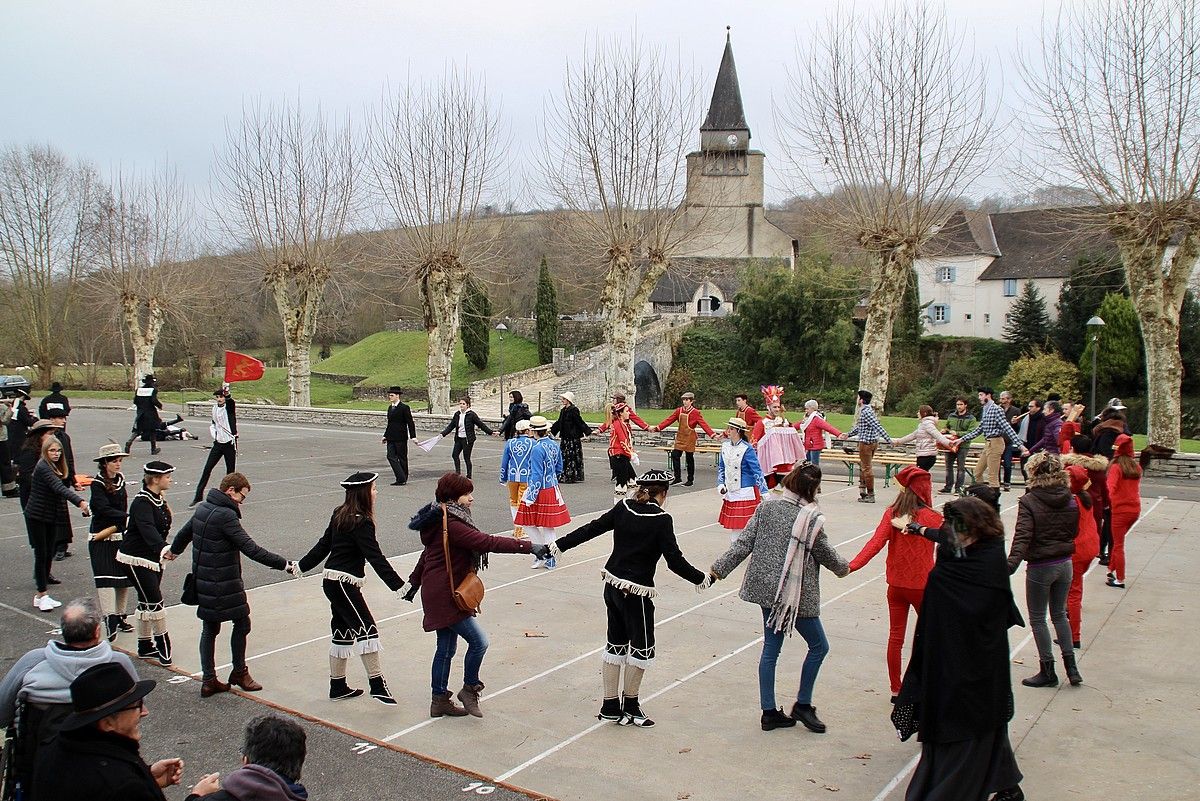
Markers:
<point>725,112</point>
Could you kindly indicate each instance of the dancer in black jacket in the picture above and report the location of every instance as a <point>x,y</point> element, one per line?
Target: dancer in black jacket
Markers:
<point>400,429</point>
<point>141,553</point>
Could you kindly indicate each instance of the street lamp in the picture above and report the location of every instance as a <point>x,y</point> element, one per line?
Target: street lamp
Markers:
<point>1094,325</point>
<point>501,327</point>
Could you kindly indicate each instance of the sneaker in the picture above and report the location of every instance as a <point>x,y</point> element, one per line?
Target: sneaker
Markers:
<point>1004,487</point>
<point>46,603</point>
<point>945,491</point>
<point>1112,582</point>
<point>550,563</point>
<point>776,719</point>
<point>537,563</point>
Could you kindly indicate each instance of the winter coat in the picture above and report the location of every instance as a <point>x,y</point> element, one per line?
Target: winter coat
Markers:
<point>255,783</point>
<point>430,573</point>
<point>346,553</point>
<point>44,675</point>
<point>18,427</point>
<point>49,494</point>
<point>765,539</point>
<point>909,558</point>
<point>516,411</point>
<point>570,424</point>
<point>1097,467</point>
<point>400,424</point>
<point>26,461</point>
<point>814,432</point>
<point>218,540</point>
<point>147,404</point>
<point>472,422</point>
<point>642,535</point>
<point>1033,428</point>
<point>86,763</point>
<point>1124,494</point>
<point>1105,434</point>
<point>1047,522</point>
<point>56,401</point>
<point>926,437</point>
<point>109,508</point>
<point>1048,441</point>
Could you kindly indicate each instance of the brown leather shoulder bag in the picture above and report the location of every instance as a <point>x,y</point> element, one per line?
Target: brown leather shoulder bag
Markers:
<point>468,595</point>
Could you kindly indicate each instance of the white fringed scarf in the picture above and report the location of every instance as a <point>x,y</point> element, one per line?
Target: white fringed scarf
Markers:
<point>809,523</point>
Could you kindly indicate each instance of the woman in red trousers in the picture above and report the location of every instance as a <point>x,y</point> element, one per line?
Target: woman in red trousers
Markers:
<point>1124,498</point>
<point>1087,547</point>
<point>909,559</point>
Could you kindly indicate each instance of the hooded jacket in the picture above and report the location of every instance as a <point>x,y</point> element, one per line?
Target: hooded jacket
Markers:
<point>926,438</point>
<point>1104,434</point>
<point>44,675</point>
<point>256,783</point>
<point>1047,521</point>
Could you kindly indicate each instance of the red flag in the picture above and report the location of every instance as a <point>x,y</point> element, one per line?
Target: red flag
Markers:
<point>240,367</point>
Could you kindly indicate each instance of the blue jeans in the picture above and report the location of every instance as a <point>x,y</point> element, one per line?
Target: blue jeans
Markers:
<point>813,632</point>
<point>813,456</point>
<point>447,644</point>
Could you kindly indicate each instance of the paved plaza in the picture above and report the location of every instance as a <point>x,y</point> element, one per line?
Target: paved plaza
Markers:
<point>1130,730</point>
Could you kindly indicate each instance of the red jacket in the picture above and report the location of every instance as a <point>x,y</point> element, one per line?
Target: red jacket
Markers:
<point>694,418</point>
<point>633,418</point>
<point>910,558</point>
<point>814,440</point>
<point>620,439</point>
<point>749,415</point>
<point>1124,494</point>
<point>1069,429</point>
<point>1087,539</point>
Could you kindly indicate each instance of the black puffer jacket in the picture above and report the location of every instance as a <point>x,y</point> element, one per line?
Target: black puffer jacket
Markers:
<point>49,494</point>
<point>218,539</point>
<point>1047,521</point>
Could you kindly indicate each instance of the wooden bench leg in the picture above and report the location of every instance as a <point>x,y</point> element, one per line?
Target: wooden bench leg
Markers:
<point>887,473</point>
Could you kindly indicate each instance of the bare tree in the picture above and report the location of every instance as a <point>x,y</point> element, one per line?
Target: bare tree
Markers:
<point>140,236</point>
<point>437,154</point>
<point>615,145</point>
<point>1117,89</point>
<point>45,207</point>
<point>288,180</point>
<point>889,115</point>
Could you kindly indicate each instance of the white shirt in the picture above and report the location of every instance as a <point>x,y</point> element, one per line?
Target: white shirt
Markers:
<point>220,427</point>
<point>462,425</point>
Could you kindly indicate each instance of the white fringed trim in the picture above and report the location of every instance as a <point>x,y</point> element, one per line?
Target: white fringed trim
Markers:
<point>644,664</point>
<point>138,561</point>
<point>110,538</point>
<point>554,551</point>
<point>630,587</point>
<point>341,652</point>
<point>345,578</point>
<point>370,645</point>
<point>146,614</point>
<point>614,659</point>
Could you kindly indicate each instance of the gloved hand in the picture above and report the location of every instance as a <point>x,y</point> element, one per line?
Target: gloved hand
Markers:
<point>541,551</point>
<point>913,528</point>
<point>721,489</point>
<point>293,569</point>
<point>413,589</point>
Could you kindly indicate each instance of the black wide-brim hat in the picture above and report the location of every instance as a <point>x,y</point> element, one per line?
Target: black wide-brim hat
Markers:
<point>102,690</point>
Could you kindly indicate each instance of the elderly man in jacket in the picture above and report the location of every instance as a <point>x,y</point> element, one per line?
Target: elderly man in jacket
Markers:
<point>218,540</point>
<point>273,751</point>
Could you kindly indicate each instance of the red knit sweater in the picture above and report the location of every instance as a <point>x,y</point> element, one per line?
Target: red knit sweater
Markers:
<point>1124,494</point>
<point>1087,538</point>
<point>909,558</point>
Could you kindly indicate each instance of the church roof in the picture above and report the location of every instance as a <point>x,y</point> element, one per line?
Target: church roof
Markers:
<point>725,112</point>
<point>687,273</point>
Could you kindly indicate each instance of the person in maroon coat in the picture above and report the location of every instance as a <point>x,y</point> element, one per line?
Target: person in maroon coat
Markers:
<point>447,528</point>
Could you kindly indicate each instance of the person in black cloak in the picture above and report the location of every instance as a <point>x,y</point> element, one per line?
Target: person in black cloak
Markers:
<point>957,691</point>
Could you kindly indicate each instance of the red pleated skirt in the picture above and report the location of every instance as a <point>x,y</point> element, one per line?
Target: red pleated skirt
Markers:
<point>736,514</point>
<point>547,510</point>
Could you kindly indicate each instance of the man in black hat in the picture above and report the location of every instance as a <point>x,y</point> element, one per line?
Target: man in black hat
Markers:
<point>223,429</point>
<point>400,429</point>
<point>56,400</point>
<point>146,420</point>
<point>96,753</point>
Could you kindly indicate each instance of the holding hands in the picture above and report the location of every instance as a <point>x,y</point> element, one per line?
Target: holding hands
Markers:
<point>293,569</point>
<point>412,592</point>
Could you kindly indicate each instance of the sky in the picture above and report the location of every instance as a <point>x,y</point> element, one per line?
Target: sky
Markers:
<point>133,84</point>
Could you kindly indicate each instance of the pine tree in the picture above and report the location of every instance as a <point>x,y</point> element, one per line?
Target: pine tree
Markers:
<point>1028,323</point>
<point>475,323</point>
<point>547,315</point>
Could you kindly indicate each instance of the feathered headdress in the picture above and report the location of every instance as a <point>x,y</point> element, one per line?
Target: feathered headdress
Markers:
<point>772,394</point>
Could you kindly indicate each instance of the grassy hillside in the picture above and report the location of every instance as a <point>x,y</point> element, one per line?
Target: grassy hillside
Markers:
<point>398,357</point>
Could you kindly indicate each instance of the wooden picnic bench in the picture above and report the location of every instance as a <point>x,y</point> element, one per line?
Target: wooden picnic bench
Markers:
<point>893,462</point>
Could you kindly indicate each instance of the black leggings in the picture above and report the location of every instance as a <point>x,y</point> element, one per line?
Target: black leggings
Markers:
<point>208,645</point>
<point>927,463</point>
<point>462,445</point>
<point>41,537</point>
<point>219,449</point>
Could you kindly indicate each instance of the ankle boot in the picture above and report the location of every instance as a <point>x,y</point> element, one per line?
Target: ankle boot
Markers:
<point>610,709</point>
<point>123,624</point>
<point>111,626</point>
<point>469,695</point>
<point>339,690</point>
<point>212,686</point>
<point>1046,677</point>
<point>162,643</point>
<point>1072,671</point>
<point>443,704</point>
<point>241,677</point>
<point>776,719</point>
<point>633,714</point>
<point>380,691</point>
<point>147,649</point>
<point>807,714</point>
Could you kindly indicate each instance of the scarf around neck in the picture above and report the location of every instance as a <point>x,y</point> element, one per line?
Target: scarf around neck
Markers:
<point>809,523</point>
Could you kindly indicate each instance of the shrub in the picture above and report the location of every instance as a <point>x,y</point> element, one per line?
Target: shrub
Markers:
<point>1040,374</point>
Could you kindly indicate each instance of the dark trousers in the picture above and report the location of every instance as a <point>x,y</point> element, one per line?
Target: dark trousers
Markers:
<point>956,468</point>
<point>41,537</point>
<point>927,463</point>
<point>463,446</point>
<point>208,645</point>
<point>397,456</point>
<point>220,450</point>
<point>1106,537</point>
<point>691,464</point>
<point>1006,461</point>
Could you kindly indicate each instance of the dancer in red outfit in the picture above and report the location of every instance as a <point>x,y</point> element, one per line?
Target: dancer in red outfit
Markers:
<point>1124,497</point>
<point>1087,547</point>
<point>909,559</point>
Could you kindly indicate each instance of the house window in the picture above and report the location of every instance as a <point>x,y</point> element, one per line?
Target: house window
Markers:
<point>1010,287</point>
<point>941,313</point>
<point>987,318</point>
<point>945,275</point>
<point>967,317</point>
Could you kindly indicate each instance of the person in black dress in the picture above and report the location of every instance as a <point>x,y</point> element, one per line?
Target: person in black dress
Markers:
<point>400,429</point>
<point>957,690</point>
<point>570,429</point>
<point>141,553</point>
<point>110,513</point>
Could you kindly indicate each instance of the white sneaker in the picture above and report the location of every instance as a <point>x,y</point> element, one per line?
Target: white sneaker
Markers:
<point>46,603</point>
<point>536,563</point>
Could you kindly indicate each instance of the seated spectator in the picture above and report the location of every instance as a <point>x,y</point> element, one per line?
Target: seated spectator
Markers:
<point>96,753</point>
<point>272,757</point>
<point>40,682</point>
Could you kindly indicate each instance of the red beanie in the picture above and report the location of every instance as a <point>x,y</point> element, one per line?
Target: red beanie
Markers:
<point>1079,477</point>
<point>917,480</point>
<point>1123,446</point>
<point>451,487</point>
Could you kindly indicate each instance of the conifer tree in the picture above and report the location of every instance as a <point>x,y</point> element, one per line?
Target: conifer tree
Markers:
<point>1028,323</point>
<point>475,323</point>
<point>547,315</point>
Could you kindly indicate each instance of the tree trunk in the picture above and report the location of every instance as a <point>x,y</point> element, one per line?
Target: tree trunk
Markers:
<point>883,304</point>
<point>623,304</point>
<point>299,318</point>
<point>441,291</point>
<point>299,366</point>
<point>144,340</point>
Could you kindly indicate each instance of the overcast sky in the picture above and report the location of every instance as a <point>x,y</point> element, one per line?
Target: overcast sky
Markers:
<point>132,83</point>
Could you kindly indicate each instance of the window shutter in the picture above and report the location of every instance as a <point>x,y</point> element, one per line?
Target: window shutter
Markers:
<point>953,274</point>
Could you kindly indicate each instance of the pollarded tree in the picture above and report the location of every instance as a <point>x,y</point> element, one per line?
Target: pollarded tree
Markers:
<point>1118,100</point>
<point>547,315</point>
<point>476,323</point>
<point>287,182</point>
<point>437,154</point>
<point>1027,325</point>
<point>888,116</point>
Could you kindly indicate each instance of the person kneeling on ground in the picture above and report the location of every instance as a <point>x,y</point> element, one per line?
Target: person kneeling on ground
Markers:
<point>273,751</point>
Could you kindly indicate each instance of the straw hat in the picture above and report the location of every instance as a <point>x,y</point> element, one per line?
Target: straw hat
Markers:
<point>110,451</point>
